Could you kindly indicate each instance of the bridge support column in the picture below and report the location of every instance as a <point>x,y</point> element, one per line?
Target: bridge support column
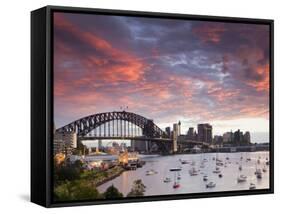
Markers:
<point>175,145</point>
<point>175,142</point>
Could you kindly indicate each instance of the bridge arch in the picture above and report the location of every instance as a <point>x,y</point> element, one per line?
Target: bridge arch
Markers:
<point>85,125</point>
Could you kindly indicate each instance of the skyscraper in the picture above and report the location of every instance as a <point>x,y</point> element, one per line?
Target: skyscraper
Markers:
<point>227,137</point>
<point>168,131</point>
<point>238,136</point>
<point>205,133</point>
<point>247,137</point>
<point>179,128</point>
<point>190,134</point>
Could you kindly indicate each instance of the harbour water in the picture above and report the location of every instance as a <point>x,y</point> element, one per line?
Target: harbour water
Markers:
<point>155,184</point>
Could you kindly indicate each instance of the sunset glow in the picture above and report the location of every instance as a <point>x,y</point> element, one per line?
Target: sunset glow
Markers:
<point>167,70</point>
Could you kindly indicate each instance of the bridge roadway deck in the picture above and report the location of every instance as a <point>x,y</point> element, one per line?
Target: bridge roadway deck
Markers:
<point>143,138</point>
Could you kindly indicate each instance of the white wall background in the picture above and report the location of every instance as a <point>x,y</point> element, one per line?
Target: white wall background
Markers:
<point>15,105</point>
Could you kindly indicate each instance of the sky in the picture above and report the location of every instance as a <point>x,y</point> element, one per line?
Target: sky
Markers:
<point>163,69</point>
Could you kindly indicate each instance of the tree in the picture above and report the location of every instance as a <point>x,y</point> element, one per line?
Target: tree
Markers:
<point>138,189</point>
<point>112,193</point>
<point>76,190</point>
<point>69,172</point>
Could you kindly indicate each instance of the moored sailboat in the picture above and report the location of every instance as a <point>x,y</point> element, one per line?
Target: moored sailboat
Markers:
<point>241,178</point>
<point>252,186</point>
<point>210,185</point>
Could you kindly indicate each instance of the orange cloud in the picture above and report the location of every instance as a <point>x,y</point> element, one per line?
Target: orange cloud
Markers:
<point>262,85</point>
<point>126,68</point>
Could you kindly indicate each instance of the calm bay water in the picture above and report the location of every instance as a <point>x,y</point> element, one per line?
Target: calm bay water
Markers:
<point>193,184</point>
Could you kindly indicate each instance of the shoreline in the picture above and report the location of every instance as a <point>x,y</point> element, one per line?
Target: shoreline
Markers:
<point>110,178</point>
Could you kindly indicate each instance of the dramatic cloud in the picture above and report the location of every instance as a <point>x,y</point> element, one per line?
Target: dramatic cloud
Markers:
<point>167,70</point>
<point>209,32</point>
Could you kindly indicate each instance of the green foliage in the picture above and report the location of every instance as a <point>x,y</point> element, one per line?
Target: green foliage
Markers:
<point>112,193</point>
<point>76,190</point>
<point>67,172</point>
<point>89,174</point>
<point>138,189</point>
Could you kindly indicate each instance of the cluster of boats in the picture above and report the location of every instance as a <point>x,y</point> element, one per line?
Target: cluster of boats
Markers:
<point>241,178</point>
<point>220,163</point>
<point>258,172</point>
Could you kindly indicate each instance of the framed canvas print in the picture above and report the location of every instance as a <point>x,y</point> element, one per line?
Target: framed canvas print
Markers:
<point>141,106</point>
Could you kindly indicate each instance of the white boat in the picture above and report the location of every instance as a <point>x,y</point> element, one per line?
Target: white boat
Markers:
<point>167,180</point>
<point>252,186</point>
<point>240,165</point>
<point>264,169</point>
<point>219,163</point>
<point>258,173</point>
<point>184,161</point>
<point>205,177</point>
<point>151,172</point>
<point>241,178</point>
<point>267,163</point>
<point>210,185</point>
<point>193,172</point>
<point>217,170</point>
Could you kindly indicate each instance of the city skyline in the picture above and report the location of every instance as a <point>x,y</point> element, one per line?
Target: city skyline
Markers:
<point>167,70</point>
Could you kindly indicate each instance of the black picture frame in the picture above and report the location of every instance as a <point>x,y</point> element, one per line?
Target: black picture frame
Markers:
<point>42,104</point>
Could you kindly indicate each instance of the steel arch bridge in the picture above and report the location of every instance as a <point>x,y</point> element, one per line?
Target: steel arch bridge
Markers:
<point>115,124</point>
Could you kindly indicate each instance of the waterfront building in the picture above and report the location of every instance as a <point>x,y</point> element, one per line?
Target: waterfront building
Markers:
<point>168,131</point>
<point>64,142</point>
<point>218,139</point>
<point>205,133</point>
<point>227,137</point>
<point>191,134</point>
<point>247,137</point>
<point>238,137</point>
<point>68,138</point>
<point>195,135</point>
<point>58,146</point>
